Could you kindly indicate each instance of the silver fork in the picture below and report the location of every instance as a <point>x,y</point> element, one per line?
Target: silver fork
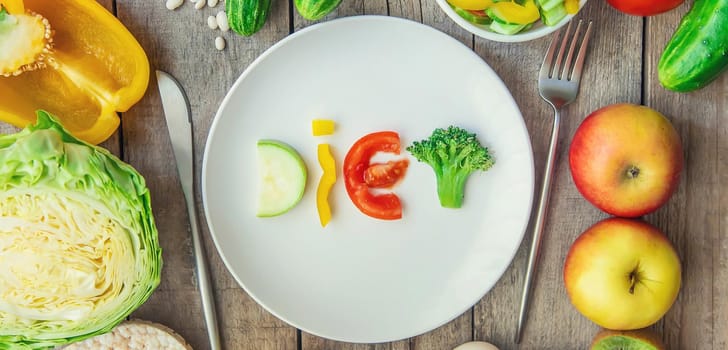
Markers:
<point>558,84</point>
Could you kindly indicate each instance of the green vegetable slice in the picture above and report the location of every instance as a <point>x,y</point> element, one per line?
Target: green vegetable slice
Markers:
<point>282,178</point>
<point>78,245</point>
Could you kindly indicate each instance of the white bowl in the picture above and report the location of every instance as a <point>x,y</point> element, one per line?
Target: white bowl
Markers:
<point>536,31</point>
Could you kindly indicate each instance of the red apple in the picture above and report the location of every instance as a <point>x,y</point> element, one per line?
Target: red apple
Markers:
<point>626,159</point>
<point>622,274</point>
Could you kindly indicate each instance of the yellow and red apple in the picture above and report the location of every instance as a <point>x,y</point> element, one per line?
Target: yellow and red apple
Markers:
<point>626,159</point>
<point>622,274</point>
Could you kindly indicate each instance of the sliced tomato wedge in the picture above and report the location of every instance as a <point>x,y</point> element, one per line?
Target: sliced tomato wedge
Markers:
<point>385,175</point>
<point>385,206</point>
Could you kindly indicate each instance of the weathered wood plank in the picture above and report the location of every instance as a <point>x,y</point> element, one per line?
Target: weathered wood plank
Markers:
<point>695,217</point>
<point>720,244</point>
<point>181,43</point>
<point>433,16</point>
<point>406,9</point>
<point>612,75</point>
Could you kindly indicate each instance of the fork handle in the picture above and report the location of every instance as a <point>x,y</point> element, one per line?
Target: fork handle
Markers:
<point>539,225</point>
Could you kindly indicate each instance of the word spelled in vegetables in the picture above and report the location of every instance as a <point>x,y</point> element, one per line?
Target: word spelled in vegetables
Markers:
<point>246,17</point>
<point>453,153</point>
<point>697,53</point>
<point>80,250</point>
<point>86,73</point>
<point>282,178</point>
<point>360,175</point>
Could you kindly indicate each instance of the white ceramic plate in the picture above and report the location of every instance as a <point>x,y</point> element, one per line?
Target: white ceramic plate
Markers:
<point>360,279</point>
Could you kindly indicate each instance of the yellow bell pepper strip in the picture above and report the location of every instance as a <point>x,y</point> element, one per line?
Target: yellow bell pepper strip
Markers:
<point>93,69</point>
<point>321,127</point>
<point>572,6</point>
<point>328,179</point>
<point>514,13</point>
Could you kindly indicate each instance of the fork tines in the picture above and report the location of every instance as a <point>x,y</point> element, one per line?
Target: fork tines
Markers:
<point>559,68</point>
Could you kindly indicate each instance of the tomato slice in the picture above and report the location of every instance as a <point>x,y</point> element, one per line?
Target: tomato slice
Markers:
<point>382,206</point>
<point>385,175</point>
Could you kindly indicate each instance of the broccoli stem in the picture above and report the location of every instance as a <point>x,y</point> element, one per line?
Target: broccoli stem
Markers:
<point>451,187</point>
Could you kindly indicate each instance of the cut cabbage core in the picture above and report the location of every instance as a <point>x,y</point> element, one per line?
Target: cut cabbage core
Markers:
<point>60,261</point>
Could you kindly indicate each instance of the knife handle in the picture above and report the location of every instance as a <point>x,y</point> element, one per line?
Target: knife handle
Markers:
<point>203,277</point>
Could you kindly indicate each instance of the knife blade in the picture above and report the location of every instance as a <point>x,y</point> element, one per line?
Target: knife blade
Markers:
<point>179,124</point>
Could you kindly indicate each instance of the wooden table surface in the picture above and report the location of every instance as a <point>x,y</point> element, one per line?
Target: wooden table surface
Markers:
<point>621,68</point>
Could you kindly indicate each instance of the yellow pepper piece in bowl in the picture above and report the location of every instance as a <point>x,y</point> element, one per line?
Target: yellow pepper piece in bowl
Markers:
<point>92,69</point>
<point>572,6</point>
<point>514,13</point>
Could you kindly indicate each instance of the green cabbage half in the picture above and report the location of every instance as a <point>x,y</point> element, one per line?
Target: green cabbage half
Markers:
<point>78,246</point>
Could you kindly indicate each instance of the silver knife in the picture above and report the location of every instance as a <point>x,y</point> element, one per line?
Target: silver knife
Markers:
<point>179,124</point>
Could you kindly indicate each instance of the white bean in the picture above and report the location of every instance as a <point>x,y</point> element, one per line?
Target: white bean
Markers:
<point>199,4</point>
<point>219,43</point>
<point>212,22</point>
<point>222,21</point>
<point>173,4</point>
<point>212,3</point>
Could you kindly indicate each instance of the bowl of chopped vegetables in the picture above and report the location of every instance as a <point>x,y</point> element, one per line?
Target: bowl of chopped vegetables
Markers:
<point>511,20</point>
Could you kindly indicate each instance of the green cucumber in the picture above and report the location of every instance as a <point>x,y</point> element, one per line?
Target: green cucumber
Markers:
<point>697,53</point>
<point>471,16</point>
<point>507,29</point>
<point>552,11</point>
<point>548,5</point>
<point>495,15</point>
<point>246,17</point>
<point>282,178</point>
<point>315,9</point>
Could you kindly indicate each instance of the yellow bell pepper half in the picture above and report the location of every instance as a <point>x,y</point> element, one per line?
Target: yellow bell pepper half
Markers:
<point>95,68</point>
<point>328,179</point>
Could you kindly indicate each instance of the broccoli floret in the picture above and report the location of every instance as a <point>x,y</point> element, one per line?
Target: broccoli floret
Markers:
<point>453,153</point>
